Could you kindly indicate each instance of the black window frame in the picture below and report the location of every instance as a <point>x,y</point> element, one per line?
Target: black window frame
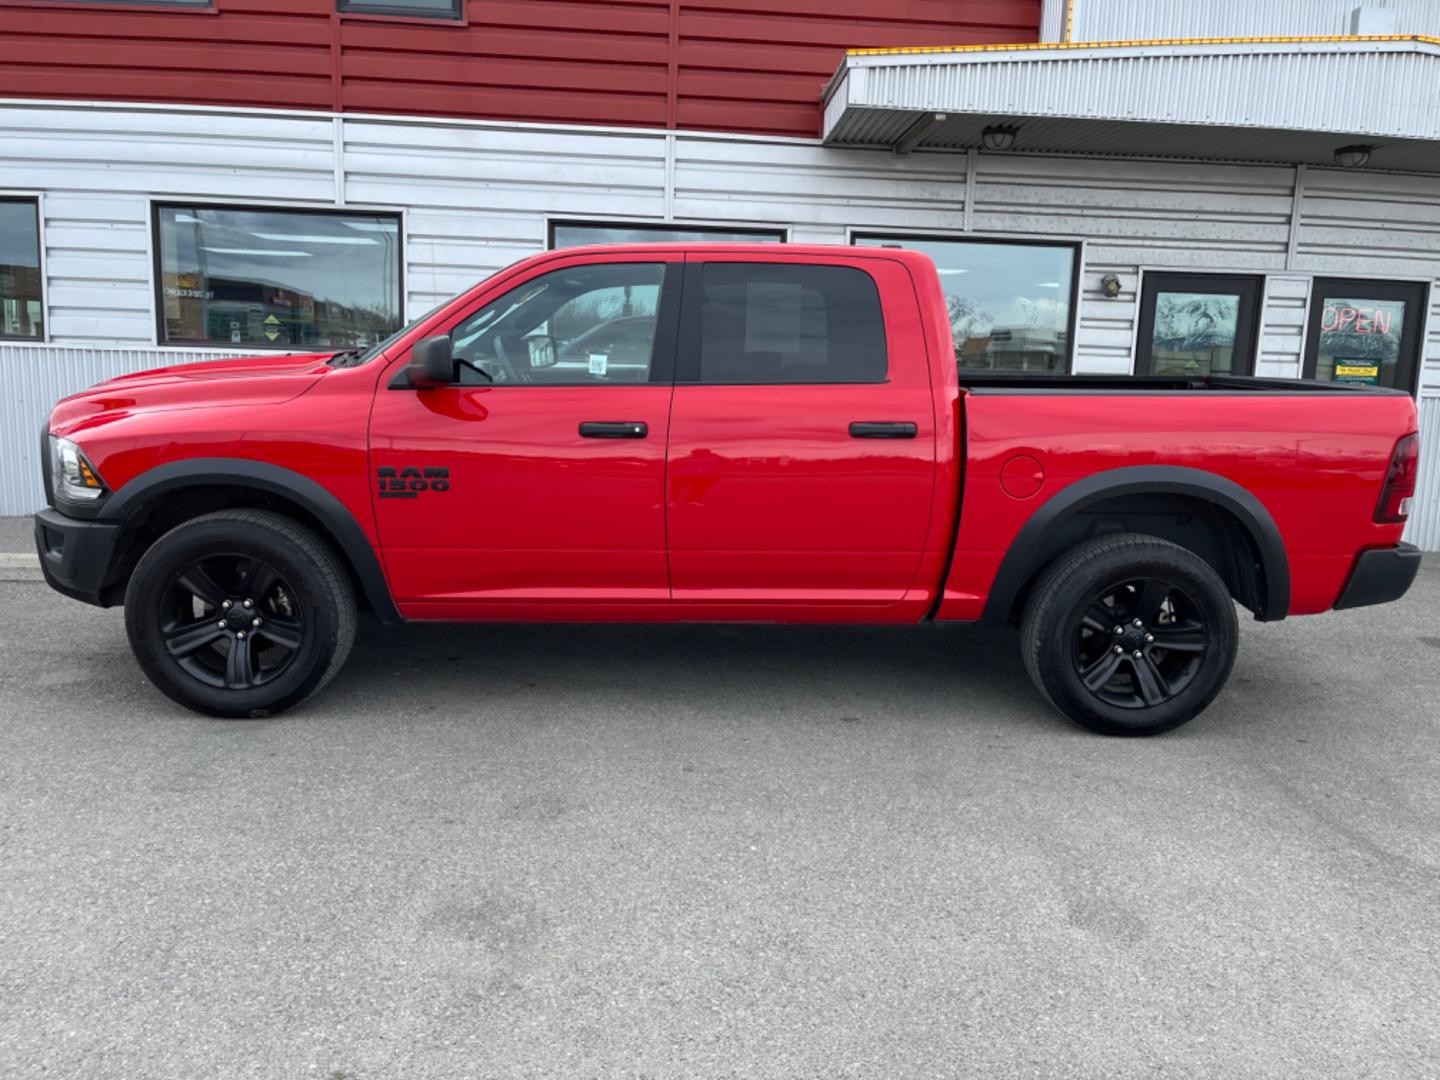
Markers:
<point>1077,266</point>
<point>1411,343</point>
<point>692,304</point>
<point>33,201</point>
<point>380,9</point>
<point>1251,291</point>
<point>779,235</point>
<point>158,270</point>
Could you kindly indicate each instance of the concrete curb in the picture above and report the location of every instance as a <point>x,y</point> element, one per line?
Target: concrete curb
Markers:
<point>16,567</point>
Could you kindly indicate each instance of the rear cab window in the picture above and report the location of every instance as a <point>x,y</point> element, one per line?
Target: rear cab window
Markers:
<point>776,323</point>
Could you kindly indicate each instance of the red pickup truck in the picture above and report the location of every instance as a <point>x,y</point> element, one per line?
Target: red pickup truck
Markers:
<point>662,433</point>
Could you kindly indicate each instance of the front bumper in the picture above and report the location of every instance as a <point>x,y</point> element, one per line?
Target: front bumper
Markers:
<point>1380,575</point>
<point>76,556</point>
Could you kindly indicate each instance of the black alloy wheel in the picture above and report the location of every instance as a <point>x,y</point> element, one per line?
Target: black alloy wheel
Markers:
<point>233,622</point>
<point>1129,634</point>
<point>1140,643</point>
<point>240,613</point>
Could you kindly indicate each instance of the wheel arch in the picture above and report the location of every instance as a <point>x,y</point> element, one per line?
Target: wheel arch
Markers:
<point>229,482</point>
<point>1260,580</point>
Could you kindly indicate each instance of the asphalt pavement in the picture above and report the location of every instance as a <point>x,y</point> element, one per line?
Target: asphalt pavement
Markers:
<point>579,851</point>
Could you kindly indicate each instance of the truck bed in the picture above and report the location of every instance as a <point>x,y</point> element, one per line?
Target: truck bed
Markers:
<point>1022,382</point>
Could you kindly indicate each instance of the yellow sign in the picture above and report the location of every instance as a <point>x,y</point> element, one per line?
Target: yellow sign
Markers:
<point>272,328</point>
<point>1351,369</point>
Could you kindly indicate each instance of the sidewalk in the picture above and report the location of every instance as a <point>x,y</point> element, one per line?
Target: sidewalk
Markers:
<point>17,550</point>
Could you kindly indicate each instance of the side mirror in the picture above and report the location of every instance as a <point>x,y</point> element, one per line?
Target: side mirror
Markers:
<point>432,363</point>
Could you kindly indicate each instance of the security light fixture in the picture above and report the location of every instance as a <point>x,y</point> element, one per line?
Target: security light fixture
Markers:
<point>1353,157</point>
<point>999,136</point>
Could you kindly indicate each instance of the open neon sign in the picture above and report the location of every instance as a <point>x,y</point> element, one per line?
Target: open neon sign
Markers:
<point>1346,318</point>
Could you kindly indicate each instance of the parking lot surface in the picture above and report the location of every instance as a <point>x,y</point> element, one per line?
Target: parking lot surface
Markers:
<point>711,852</point>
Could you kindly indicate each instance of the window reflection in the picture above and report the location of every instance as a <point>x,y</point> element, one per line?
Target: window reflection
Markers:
<point>1360,340</point>
<point>21,311</point>
<point>1009,303</point>
<point>278,278</point>
<point>1194,333</point>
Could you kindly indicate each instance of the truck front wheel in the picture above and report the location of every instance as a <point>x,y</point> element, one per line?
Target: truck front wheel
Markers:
<point>240,613</point>
<point>1130,635</point>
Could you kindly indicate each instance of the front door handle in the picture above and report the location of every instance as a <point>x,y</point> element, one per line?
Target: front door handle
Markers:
<point>883,429</point>
<point>614,429</point>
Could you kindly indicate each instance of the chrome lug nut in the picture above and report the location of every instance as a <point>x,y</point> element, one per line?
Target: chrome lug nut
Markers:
<point>225,604</point>
<point>255,623</point>
<point>251,603</point>
<point>1149,638</point>
<point>1135,654</point>
<point>1133,622</point>
<point>222,624</point>
<point>241,635</point>
<point>1119,651</point>
<point>1119,630</point>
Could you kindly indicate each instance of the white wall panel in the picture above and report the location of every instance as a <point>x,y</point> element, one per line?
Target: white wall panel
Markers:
<point>1128,20</point>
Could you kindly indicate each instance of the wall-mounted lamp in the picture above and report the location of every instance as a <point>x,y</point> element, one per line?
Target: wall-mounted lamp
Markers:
<point>1353,157</point>
<point>999,136</point>
<point>1110,286</point>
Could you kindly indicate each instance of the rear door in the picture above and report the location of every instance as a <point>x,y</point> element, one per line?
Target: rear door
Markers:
<point>802,436</point>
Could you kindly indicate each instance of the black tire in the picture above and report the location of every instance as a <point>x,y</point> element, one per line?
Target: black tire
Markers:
<point>240,613</point>
<point>1130,635</point>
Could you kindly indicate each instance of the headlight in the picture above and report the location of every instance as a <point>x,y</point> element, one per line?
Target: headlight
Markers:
<point>75,479</point>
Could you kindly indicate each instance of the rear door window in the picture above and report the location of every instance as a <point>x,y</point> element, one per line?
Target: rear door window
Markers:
<point>779,323</point>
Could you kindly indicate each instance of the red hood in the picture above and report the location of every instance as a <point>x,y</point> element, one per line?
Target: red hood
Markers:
<point>245,380</point>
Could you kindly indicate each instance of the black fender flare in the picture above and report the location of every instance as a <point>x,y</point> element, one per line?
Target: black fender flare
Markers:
<point>1024,557</point>
<point>340,525</point>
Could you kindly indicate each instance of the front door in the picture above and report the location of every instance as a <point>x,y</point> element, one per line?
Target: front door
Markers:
<point>1365,332</point>
<point>802,439</point>
<point>536,485</point>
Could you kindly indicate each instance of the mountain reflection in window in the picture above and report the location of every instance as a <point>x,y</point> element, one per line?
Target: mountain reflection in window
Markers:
<point>1194,333</point>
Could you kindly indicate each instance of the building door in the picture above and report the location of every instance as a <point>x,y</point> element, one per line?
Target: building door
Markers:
<point>1365,332</point>
<point>1197,324</point>
<point>802,438</point>
<point>536,484</point>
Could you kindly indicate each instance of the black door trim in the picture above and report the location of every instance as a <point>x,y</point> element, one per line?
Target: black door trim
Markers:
<point>1413,293</point>
<point>1248,287</point>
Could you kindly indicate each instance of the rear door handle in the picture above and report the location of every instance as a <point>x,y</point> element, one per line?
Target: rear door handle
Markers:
<point>614,429</point>
<point>883,429</point>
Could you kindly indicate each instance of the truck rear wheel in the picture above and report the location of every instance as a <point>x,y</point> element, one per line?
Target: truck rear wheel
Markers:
<point>1130,635</point>
<point>240,613</point>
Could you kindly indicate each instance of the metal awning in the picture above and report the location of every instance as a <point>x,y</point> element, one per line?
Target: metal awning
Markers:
<point>1273,100</point>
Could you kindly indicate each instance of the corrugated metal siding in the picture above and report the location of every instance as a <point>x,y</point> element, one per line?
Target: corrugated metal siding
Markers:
<point>1127,20</point>
<point>1349,87</point>
<point>34,378</point>
<point>1282,327</point>
<point>1424,528</point>
<point>743,65</point>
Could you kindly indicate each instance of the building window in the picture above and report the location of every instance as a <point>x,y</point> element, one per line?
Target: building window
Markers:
<point>22,313</point>
<point>1197,324</point>
<point>564,234</point>
<point>1364,331</point>
<point>1011,304</point>
<point>284,279</point>
<point>430,9</point>
<point>767,323</point>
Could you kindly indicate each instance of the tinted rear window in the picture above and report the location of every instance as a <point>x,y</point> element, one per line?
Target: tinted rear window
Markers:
<point>776,323</point>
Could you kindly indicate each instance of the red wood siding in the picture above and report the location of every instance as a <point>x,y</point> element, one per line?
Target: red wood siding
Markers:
<point>735,65</point>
